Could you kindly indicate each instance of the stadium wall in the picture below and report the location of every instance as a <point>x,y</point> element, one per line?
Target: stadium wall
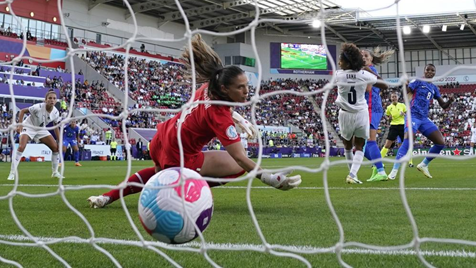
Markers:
<point>88,24</point>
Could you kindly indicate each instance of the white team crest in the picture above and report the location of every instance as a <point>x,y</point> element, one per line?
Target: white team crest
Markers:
<point>231,133</point>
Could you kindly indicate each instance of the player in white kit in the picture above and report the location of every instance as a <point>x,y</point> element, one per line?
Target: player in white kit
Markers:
<point>41,114</point>
<point>352,83</point>
<point>473,137</point>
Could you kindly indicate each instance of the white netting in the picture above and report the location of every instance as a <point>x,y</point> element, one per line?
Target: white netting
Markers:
<point>202,247</point>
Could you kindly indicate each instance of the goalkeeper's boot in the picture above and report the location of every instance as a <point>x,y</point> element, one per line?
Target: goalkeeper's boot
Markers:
<point>393,174</point>
<point>99,201</point>
<point>11,176</point>
<point>424,169</point>
<point>57,175</point>
<point>351,180</point>
<point>410,164</point>
<point>78,164</point>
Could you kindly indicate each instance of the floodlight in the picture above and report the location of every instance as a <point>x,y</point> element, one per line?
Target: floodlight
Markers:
<point>444,27</point>
<point>407,30</point>
<point>461,27</point>
<point>426,28</point>
<point>316,23</point>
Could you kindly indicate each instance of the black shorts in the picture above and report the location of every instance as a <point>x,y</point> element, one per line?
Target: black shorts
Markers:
<point>113,150</point>
<point>396,131</point>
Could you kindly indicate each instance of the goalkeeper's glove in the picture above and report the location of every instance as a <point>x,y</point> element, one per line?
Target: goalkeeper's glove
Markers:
<point>245,125</point>
<point>280,180</point>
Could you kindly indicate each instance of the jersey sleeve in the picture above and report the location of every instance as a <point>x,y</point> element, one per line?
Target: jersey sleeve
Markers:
<point>34,109</point>
<point>404,108</point>
<point>387,112</point>
<point>221,123</point>
<point>413,85</point>
<point>370,78</point>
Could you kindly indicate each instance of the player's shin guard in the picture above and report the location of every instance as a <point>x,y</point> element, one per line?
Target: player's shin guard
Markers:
<point>349,156</point>
<point>54,161</point>
<point>435,149</point>
<point>374,152</point>
<point>215,183</point>
<point>402,151</point>
<point>140,177</point>
<point>76,156</point>
<point>16,160</point>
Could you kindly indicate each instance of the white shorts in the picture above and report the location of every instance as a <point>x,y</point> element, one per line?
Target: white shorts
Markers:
<point>473,139</point>
<point>35,134</point>
<point>354,124</point>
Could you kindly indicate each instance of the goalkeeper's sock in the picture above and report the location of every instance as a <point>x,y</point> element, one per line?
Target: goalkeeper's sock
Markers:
<point>383,152</point>
<point>349,156</point>
<point>216,183</point>
<point>16,160</point>
<point>76,156</point>
<point>435,149</point>
<point>54,161</point>
<point>358,158</point>
<point>140,177</point>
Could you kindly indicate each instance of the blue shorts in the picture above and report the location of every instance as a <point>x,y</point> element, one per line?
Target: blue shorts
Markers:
<point>71,142</point>
<point>375,120</point>
<point>425,126</point>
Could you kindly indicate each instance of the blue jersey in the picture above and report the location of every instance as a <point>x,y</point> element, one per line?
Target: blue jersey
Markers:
<point>423,93</point>
<point>373,98</point>
<point>70,132</point>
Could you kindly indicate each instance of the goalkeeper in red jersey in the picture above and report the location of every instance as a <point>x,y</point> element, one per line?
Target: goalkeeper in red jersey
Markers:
<point>202,123</point>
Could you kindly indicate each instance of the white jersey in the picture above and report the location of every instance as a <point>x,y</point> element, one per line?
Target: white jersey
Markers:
<point>39,117</point>
<point>351,98</point>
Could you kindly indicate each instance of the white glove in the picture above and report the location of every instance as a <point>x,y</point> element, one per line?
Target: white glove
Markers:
<point>280,180</point>
<point>245,125</point>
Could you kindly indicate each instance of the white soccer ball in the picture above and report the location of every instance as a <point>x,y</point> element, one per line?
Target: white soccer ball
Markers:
<point>162,212</point>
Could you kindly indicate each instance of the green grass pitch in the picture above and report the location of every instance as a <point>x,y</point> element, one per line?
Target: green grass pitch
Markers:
<point>372,213</point>
<point>294,59</point>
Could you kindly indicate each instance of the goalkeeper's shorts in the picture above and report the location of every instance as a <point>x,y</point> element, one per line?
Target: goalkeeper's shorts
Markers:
<point>165,157</point>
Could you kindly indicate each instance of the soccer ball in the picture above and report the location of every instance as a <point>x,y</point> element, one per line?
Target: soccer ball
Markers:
<point>162,212</point>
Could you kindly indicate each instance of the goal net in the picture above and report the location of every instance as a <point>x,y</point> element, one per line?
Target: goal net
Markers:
<point>306,229</point>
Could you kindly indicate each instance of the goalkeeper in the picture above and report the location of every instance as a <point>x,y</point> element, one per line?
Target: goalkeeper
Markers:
<point>202,123</point>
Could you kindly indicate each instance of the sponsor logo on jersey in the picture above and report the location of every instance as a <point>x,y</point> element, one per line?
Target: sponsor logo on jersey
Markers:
<point>231,133</point>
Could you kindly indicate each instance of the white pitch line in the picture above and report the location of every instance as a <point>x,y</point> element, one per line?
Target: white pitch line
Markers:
<point>298,188</point>
<point>230,246</point>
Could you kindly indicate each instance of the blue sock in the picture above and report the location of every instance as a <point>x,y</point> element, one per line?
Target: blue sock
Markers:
<point>76,156</point>
<point>435,149</point>
<point>367,151</point>
<point>374,153</point>
<point>402,151</point>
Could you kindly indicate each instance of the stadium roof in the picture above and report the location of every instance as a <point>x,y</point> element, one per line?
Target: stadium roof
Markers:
<point>344,23</point>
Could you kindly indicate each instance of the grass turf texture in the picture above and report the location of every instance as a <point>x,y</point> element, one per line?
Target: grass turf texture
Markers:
<point>370,213</point>
<point>295,59</point>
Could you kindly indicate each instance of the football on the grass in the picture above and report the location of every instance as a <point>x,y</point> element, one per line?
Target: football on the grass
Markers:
<point>162,211</point>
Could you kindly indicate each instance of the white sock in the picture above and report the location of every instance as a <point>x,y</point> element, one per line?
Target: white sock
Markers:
<point>358,158</point>
<point>54,162</point>
<point>349,156</point>
<point>16,160</point>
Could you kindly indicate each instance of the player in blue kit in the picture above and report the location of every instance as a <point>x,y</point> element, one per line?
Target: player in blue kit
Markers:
<point>376,111</point>
<point>422,93</point>
<point>71,138</point>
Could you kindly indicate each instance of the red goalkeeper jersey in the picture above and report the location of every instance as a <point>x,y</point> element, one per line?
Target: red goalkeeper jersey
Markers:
<point>202,123</point>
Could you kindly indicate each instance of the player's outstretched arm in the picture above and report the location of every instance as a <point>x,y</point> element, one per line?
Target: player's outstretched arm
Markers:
<point>446,104</point>
<point>20,118</point>
<point>278,180</point>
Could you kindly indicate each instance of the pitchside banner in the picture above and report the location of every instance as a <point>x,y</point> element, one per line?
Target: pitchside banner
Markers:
<point>461,79</point>
<point>446,151</point>
<point>43,150</point>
